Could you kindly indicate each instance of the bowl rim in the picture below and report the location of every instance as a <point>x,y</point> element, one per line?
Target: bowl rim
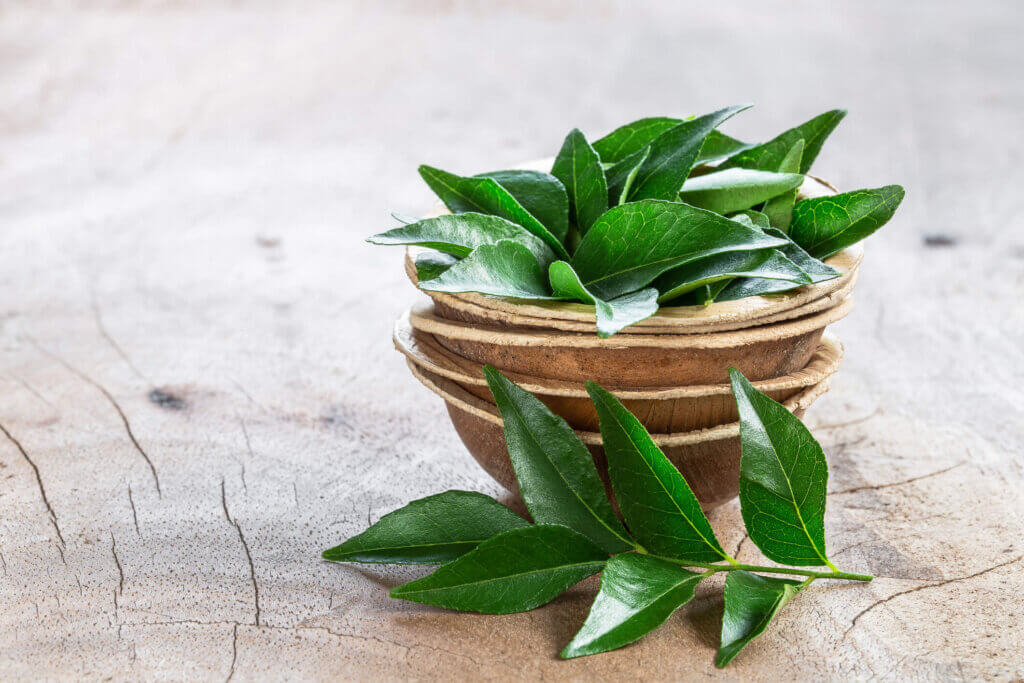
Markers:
<point>457,397</point>
<point>422,317</point>
<point>426,352</point>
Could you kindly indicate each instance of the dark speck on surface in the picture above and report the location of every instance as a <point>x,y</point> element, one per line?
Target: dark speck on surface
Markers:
<point>939,241</point>
<point>167,400</point>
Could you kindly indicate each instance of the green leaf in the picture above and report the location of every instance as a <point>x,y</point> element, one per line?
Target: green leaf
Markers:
<point>655,500</point>
<point>768,156</point>
<point>621,176</point>
<point>827,225</point>
<point>783,478</point>
<point>631,245</point>
<point>736,188</point>
<point>504,269</point>
<point>755,286</point>
<point>515,571</point>
<point>431,530</point>
<point>673,154</point>
<point>459,234</point>
<point>556,473</point>
<point>638,593</point>
<point>755,218</point>
<point>718,145</point>
<point>612,315</point>
<point>751,602</point>
<point>485,195</point>
<point>579,168</point>
<point>632,137</point>
<point>780,209</point>
<point>768,264</point>
<point>430,264</point>
<point>402,218</point>
<point>542,194</point>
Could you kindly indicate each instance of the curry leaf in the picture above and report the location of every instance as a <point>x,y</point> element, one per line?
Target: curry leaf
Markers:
<point>514,571</point>
<point>486,195</point>
<point>612,315</point>
<point>506,268</point>
<point>630,245</point>
<point>736,188</point>
<point>632,137</point>
<point>557,476</point>
<point>755,286</point>
<point>768,264</point>
<point>431,530</point>
<point>621,176</point>
<point>430,264</point>
<point>769,155</point>
<point>827,225</point>
<point>673,154</point>
<point>718,145</point>
<point>459,234</point>
<point>655,500</point>
<point>780,209</point>
<point>783,478</point>
<point>579,168</point>
<point>638,593</point>
<point>751,602</point>
<point>542,194</point>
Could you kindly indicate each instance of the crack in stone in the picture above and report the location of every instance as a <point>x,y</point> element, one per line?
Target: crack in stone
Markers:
<point>117,561</point>
<point>248,555</point>
<point>940,584</point>
<point>135,515</point>
<point>875,487</point>
<point>42,489</point>
<point>110,340</point>
<point>234,652</point>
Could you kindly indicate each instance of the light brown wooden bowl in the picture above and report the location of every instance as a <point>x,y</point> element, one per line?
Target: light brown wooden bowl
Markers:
<point>709,459</point>
<point>670,409</point>
<point>634,361</point>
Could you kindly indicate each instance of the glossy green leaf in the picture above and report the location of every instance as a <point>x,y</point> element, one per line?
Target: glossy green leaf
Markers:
<point>767,264</point>
<point>515,571</point>
<point>751,602</point>
<point>556,473</point>
<point>460,233</point>
<point>736,188</point>
<point>638,593</point>
<point>756,286</point>
<point>542,194</point>
<point>579,168</point>
<point>631,245</point>
<point>430,264</point>
<point>779,210</point>
<point>826,225</point>
<point>655,500</point>
<point>621,176</point>
<point>431,530</point>
<point>486,195</point>
<point>783,478</point>
<point>504,269</point>
<point>768,156</point>
<point>718,145</point>
<point>756,218</point>
<point>673,154</point>
<point>612,316</point>
<point>632,137</point>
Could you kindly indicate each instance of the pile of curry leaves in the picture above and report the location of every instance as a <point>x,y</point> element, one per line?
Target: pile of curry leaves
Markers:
<point>494,561</point>
<point>661,210</point>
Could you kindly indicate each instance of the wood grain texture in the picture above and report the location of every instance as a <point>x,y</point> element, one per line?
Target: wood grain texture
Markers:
<point>199,392</point>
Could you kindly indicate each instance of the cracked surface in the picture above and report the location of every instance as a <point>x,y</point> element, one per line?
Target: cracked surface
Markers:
<point>186,193</point>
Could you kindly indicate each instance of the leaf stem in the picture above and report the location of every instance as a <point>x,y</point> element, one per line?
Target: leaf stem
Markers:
<point>714,568</point>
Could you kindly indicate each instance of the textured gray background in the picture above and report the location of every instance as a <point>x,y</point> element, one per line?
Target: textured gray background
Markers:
<point>186,187</point>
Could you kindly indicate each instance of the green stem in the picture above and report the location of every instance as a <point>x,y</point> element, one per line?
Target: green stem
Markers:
<point>712,567</point>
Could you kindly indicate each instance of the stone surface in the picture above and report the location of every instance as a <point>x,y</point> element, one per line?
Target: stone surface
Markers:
<point>199,391</point>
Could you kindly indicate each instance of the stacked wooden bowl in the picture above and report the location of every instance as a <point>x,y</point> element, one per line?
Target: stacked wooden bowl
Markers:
<point>670,370</point>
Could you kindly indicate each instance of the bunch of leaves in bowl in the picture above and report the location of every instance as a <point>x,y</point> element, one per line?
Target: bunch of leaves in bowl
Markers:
<point>659,211</point>
<point>495,562</point>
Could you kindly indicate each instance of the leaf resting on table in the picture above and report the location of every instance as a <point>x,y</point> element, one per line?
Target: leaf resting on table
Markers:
<point>751,602</point>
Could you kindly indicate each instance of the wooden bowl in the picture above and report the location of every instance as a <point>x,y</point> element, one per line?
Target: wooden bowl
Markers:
<point>636,361</point>
<point>709,459</point>
<point>664,410</point>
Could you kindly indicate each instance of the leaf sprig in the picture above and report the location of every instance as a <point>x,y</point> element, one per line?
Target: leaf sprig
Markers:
<point>659,211</point>
<point>497,563</point>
